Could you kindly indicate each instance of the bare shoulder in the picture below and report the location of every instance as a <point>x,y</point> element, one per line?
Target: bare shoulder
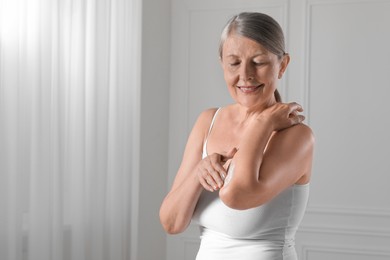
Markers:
<point>295,147</point>
<point>205,118</point>
<point>300,134</point>
<point>202,124</point>
<point>207,114</point>
<point>301,130</point>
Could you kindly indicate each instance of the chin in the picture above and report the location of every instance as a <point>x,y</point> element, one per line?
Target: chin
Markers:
<point>256,104</point>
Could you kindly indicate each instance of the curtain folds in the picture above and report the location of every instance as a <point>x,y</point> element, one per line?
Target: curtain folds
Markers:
<point>69,84</point>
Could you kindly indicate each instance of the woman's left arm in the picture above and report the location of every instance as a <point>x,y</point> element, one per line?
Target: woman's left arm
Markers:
<point>264,166</point>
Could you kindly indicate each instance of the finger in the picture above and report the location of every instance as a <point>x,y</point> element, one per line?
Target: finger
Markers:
<point>208,174</point>
<point>293,113</point>
<point>202,175</point>
<point>229,155</point>
<point>301,118</point>
<point>216,167</point>
<point>297,119</point>
<point>214,177</point>
<point>294,106</point>
<point>205,185</point>
<point>221,174</point>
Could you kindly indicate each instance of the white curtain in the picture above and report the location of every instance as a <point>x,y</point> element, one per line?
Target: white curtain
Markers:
<point>69,84</point>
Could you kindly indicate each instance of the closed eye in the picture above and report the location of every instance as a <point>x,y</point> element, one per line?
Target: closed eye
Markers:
<point>234,64</point>
<point>258,63</point>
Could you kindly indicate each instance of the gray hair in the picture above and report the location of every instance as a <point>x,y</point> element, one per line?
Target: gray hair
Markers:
<point>259,27</point>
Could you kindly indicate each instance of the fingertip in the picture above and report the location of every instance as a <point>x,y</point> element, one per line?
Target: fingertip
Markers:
<point>210,188</point>
<point>298,106</point>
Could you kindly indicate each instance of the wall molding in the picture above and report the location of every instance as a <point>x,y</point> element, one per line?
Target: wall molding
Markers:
<point>307,248</point>
<point>136,31</point>
<point>349,231</point>
<point>342,2</point>
<point>361,221</point>
<point>351,227</point>
<point>345,211</point>
<point>307,39</point>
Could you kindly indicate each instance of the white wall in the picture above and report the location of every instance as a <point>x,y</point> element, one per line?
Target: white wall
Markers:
<point>154,127</point>
<point>339,73</point>
<point>347,62</point>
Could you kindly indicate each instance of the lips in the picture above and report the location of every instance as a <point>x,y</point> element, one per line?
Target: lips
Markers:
<point>249,89</point>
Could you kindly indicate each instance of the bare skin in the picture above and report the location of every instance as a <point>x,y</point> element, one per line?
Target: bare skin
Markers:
<point>264,142</point>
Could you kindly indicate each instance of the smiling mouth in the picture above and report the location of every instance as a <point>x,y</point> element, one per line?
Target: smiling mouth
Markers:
<point>250,89</point>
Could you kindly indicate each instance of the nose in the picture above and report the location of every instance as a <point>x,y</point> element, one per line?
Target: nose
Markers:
<point>247,72</point>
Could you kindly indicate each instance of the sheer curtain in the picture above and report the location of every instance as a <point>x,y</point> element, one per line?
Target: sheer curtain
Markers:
<point>69,87</point>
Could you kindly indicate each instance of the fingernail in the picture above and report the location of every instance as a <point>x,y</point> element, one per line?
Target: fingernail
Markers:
<point>223,176</point>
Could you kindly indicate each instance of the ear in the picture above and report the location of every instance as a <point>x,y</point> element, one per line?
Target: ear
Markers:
<point>283,65</point>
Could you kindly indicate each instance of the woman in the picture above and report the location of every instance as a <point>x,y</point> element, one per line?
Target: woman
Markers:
<point>245,173</point>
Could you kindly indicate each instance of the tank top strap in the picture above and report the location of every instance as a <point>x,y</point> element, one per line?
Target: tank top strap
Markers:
<point>207,137</point>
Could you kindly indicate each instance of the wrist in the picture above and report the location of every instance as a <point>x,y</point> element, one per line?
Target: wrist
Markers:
<point>259,130</point>
<point>265,122</point>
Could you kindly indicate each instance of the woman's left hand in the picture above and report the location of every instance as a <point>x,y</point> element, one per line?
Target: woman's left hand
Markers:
<point>282,115</point>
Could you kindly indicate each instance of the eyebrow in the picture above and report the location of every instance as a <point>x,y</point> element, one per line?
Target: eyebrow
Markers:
<point>256,55</point>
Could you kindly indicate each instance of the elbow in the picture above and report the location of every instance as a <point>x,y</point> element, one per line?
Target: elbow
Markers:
<point>236,198</point>
<point>230,200</point>
<point>240,194</point>
<point>243,197</point>
<point>172,229</point>
<point>171,225</point>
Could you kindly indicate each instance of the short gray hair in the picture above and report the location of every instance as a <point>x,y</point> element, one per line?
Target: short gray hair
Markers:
<point>259,27</point>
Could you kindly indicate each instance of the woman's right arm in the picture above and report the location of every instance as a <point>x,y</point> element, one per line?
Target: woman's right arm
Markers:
<point>178,206</point>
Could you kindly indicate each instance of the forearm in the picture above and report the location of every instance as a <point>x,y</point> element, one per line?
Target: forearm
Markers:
<point>248,159</point>
<point>243,175</point>
<point>178,206</point>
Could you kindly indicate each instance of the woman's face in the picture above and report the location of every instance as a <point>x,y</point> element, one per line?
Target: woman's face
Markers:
<point>250,71</point>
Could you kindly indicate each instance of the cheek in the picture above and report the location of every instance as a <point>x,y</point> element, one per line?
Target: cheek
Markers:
<point>231,78</point>
<point>271,75</point>
<point>276,71</point>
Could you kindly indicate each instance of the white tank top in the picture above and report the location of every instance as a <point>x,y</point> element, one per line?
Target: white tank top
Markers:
<point>266,232</point>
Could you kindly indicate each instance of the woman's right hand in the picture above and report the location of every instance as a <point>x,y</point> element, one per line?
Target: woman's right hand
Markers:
<point>210,170</point>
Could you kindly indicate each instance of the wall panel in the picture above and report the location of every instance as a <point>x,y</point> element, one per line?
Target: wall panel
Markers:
<point>339,72</point>
<point>346,88</point>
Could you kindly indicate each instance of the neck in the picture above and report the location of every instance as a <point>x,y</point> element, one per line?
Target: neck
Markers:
<point>245,112</point>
